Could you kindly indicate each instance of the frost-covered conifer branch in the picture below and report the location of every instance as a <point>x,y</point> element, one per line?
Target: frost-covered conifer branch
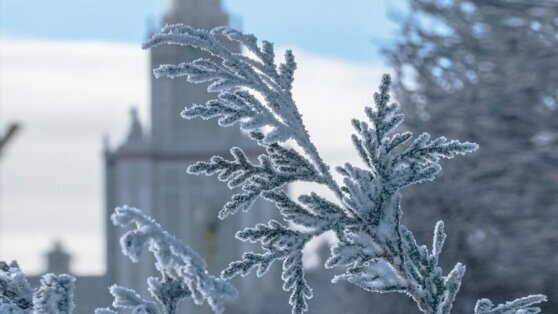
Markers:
<point>275,169</point>
<point>16,295</point>
<point>235,78</point>
<point>279,243</point>
<point>183,271</point>
<point>125,298</point>
<point>54,295</point>
<point>518,306</point>
<point>377,251</point>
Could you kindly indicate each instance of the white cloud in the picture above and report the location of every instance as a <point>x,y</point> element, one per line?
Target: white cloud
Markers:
<point>67,94</point>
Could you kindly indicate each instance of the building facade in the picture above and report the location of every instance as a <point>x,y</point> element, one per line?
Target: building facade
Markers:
<point>148,170</point>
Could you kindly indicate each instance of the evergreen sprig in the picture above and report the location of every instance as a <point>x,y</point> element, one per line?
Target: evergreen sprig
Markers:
<point>275,169</point>
<point>518,306</point>
<point>378,253</point>
<point>183,271</point>
<point>54,295</point>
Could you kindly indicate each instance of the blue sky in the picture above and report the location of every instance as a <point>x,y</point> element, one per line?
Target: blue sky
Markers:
<point>352,29</point>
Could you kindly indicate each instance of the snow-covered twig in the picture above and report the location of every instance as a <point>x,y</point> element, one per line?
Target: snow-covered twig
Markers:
<point>54,296</point>
<point>183,271</point>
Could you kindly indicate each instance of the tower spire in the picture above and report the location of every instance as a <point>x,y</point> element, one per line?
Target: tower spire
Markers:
<point>198,13</point>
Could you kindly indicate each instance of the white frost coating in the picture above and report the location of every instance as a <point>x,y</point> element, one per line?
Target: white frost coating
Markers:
<point>11,309</point>
<point>54,295</point>
<point>387,225</point>
<point>183,271</point>
<point>368,203</point>
<point>387,274</point>
<point>518,306</point>
<point>378,276</point>
<point>377,251</point>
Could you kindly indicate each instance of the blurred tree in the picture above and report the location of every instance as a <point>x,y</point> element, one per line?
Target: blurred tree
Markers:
<point>487,71</point>
<point>11,131</point>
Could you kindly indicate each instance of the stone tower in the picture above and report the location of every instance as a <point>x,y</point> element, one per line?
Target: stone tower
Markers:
<point>58,260</point>
<point>147,170</point>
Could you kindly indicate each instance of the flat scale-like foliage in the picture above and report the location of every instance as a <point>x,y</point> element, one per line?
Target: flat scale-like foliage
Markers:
<point>183,275</point>
<point>54,295</point>
<point>374,249</point>
<point>183,271</point>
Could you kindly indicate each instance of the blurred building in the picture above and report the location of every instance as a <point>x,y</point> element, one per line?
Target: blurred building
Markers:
<point>148,171</point>
<point>89,291</point>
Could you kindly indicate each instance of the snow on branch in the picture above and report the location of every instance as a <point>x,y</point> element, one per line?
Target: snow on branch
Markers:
<point>183,271</point>
<point>280,166</point>
<point>518,306</point>
<point>16,295</point>
<point>374,249</point>
<point>54,295</point>
<point>237,79</point>
<point>232,76</point>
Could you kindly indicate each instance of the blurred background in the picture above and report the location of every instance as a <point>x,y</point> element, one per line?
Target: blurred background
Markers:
<point>479,70</point>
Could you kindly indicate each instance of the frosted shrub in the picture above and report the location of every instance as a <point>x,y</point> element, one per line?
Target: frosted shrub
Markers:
<point>374,250</point>
<point>55,295</point>
<point>183,271</point>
